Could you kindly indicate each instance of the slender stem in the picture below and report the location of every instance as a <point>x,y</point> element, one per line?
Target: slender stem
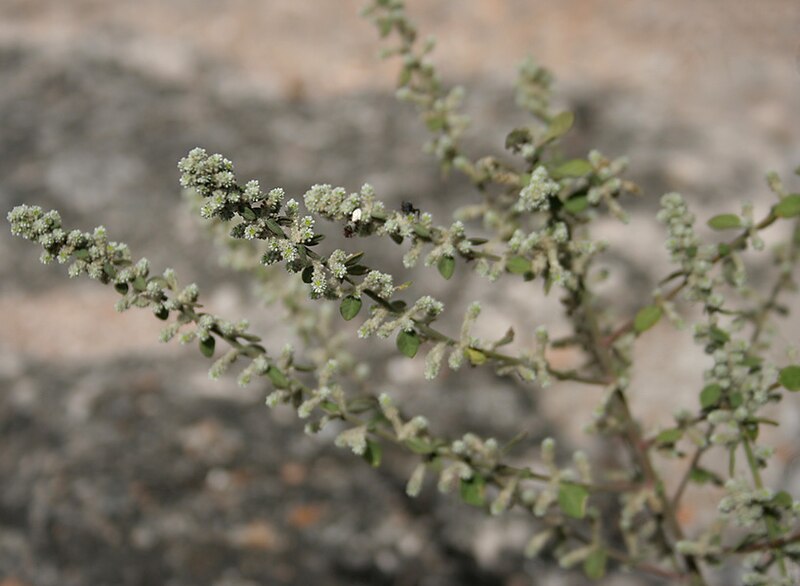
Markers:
<point>772,527</point>
<point>638,445</point>
<point>692,464</point>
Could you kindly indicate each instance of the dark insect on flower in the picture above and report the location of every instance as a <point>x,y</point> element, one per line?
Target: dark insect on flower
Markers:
<point>349,230</point>
<point>408,208</point>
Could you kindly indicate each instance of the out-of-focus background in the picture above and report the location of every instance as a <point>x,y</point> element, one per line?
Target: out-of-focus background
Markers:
<point>122,464</point>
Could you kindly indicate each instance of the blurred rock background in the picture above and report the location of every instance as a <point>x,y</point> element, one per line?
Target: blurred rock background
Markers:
<point>121,463</point>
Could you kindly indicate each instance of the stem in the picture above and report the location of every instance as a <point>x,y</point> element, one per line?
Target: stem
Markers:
<point>638,445</point>
<point>772,527</point>
<point>692,464</point>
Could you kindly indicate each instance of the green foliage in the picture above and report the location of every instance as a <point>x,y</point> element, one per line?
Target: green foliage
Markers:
<point>725,222</point>
<point>534,223</point>
<point>572,499</point>
<point>646,318</point>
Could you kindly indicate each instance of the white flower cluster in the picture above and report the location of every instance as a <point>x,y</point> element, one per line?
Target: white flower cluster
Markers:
<point>745,506</point>
<point>535,196</point>
<point>334,203</point>
<point>685,249</point>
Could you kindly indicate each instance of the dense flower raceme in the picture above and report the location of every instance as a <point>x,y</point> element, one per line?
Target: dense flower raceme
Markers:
<point>534,219</point>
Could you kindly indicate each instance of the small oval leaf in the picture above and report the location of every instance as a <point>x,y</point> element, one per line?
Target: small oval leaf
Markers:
<point>559,126</point>
<point>669,436</point>
<point>408,343</point>
<point>373,454</point>
<point>475,357</point>
<point>519,265</point>
<point>789,377</point>
<point>473,491</point>
<point>573,168</point>
<point>572,499</point>
<point>594,566</point>
<point>350,307</point>
<point>710,396</point>
<point>446,266</point>
<point>725,222</point>
<point>207,346</point>
<point>788,207</point>
<point>646,318</point>
<point>576,205</point>
<point>277,378</point>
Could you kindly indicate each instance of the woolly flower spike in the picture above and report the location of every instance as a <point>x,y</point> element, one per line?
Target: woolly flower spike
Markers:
<point>415,482</point>
<point>433,361</point>
<point>336,263</point>
<point>208,175</point>
<point>31,222</point>
<point>744,505</point>
<point>302,229</point>
<point>505,498</point>
<point>536,195</point>
<point>354,438</point>
<point>452,474</point>
<point>429,306</point>
<point>379,283</point>
<point>252,192</point>
<point>319,283</point>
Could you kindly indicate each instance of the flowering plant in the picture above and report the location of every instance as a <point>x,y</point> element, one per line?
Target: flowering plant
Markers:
<point>533,224</point>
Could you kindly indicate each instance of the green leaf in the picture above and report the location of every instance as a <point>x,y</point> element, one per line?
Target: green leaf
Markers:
<point>710,396</point>
<point>572,499</point>
<point>373,454</point>
<point>594,566</point>
<point>307,274</point>
<point>475,357</point>
<point>700,475</point>
<point>82,254</point>
<point>357,270</point>
<point>408,343</point>
<point>277,378</point>
<point>422,231</point>
<point>274,227</point>
<point>419,445</point>
<point>575,205</point>
<point>736,400</point>
<point>519,265</point>
<point>207,346</point>
<point>353,259</point>
<point>248,214</point>
<point>725,222</point>
<point>718,335</point>
<point>647,317</point>
<point>559,126</point>
<point>446,266</point>
<point>139,283</point>
<point>789,377</point>
<point>669,436</point>
<point>162,313</point>
<point>782,500</point>
<point>473,491</point>
<point>350,307</point>
<point>573,168</point>
<point>121,288</point>
<point>788,207</point>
